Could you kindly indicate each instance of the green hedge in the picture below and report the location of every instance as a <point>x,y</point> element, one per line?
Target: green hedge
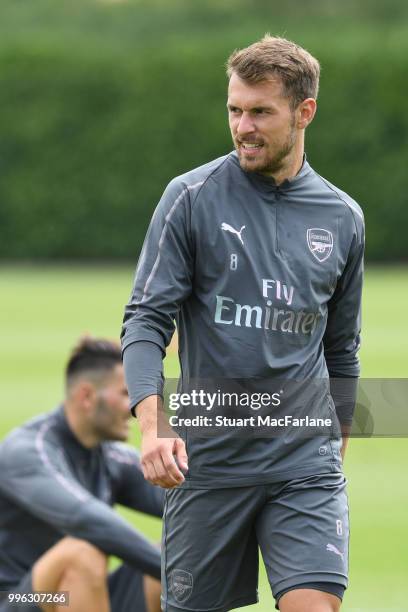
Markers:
<point>101,105</point>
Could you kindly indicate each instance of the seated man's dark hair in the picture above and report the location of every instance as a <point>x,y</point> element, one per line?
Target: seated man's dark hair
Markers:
<point>92,355</point>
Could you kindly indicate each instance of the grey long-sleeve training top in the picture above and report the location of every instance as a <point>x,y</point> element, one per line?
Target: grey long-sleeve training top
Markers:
<point>51,486</point>
<point>264,282</point>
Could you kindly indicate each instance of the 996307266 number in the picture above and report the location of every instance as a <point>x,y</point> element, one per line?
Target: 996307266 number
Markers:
<point>37,597</point>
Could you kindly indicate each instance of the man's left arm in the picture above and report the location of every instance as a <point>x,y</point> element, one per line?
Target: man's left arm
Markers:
<point>342,336</point>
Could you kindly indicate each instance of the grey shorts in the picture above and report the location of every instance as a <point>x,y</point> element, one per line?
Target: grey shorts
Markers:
<point>211,539</point>
<point>125,585</point>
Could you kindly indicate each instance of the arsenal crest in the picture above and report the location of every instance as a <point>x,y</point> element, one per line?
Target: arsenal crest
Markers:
<point>320,243</point>
<point>181,584</point>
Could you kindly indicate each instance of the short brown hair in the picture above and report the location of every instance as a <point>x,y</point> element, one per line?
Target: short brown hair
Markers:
<point>92,356</point>
<point>298,70</point>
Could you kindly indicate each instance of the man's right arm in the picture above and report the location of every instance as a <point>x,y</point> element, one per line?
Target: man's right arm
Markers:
<point>143,370</point>
<point>163,282</point>
<point>164,457</point>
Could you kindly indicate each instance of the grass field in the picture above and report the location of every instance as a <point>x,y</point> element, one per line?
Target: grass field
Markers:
<point>44,309</point>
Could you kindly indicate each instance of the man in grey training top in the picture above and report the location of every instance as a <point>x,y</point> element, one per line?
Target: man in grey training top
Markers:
<point>60,475</point>
<point>259,261</point>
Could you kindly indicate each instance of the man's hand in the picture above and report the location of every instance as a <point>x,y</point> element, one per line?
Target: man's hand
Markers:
<point>164,459</point>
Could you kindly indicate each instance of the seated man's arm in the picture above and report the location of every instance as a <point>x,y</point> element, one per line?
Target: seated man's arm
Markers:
<point>32,474</point>
<point>132,489</point>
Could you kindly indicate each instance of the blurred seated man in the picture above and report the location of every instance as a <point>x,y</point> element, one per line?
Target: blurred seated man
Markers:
<point>60,475</point>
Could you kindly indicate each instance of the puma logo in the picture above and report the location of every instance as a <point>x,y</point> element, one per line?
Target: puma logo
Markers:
<point>332,548</point>
<point>228,228</point>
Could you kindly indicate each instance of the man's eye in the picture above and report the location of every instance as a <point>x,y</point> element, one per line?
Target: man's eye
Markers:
<point>234,110</point>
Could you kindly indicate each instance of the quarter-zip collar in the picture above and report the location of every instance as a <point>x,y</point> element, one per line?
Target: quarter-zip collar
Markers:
<point>70,440</point>
<point>267,183</point>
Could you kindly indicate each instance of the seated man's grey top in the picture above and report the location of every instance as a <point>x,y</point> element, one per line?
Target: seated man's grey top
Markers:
<point>51,486</point>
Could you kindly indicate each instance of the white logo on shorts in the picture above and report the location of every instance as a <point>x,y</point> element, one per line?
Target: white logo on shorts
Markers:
<point>181,584</point>
<point>335,550</point>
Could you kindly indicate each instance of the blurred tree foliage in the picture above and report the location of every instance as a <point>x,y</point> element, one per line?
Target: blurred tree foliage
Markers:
<point>102,102</point>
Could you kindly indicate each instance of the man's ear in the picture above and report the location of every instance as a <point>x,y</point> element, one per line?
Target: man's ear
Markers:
<point>305,113</point>
<point>85,395</point>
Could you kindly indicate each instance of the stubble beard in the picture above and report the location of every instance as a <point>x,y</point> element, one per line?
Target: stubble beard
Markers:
<point>103,425</point>
<point>276,161</point>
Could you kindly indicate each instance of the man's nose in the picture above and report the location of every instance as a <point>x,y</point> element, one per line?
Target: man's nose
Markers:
<point>126,405</point>
<point>246,124</point>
